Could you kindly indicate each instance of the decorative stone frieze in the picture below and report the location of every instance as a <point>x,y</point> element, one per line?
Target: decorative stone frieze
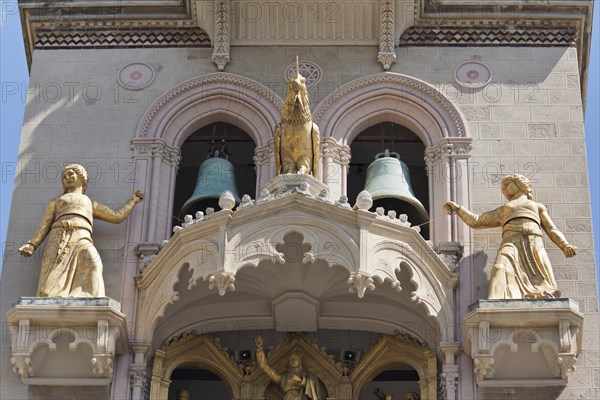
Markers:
<point>155,149</point>
<point>222,34</point>
<point>542,336</point>
<point>146,252</point>
<point>450,253</point>
<point>339,153</point>
<point>120,38</point>
<point>387,52</point>
<point>262,155</point>
<point>288,184</point>
<point>86,333</point>
<point>488,35</point>
<point>451,148</point>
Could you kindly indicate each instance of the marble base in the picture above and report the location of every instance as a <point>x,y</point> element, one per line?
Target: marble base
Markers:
<point>543,337</point>
<point>66,341</point>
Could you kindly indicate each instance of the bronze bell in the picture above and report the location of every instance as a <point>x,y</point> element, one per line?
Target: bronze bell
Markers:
<point>215,175</point>
<point>388,182</point>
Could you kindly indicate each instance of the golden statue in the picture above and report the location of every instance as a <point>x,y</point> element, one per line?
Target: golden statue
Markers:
<point>71,266</point>
<point>381,395</point>
<point>296,136</point>
<point>183,394</point>
<point>296,383</point>
<point>522,268</point>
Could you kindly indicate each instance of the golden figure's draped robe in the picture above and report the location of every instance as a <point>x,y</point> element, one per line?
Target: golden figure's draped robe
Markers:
<point>71,265</point>
<point>522,255</point>
<point>292,389</point>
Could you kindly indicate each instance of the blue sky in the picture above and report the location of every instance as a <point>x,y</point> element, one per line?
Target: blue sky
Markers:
<point>14,77</point>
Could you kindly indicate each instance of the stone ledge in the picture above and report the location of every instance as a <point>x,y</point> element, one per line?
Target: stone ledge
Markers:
<point>49,333</point>
<point>68,302</point>
<point>543,337</point>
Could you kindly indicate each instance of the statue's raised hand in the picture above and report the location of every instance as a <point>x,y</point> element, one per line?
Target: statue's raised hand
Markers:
<point>138,196</point>
<point>451,208</point>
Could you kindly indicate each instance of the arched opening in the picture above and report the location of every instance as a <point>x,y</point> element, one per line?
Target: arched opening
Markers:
<point>199,383</point>
<point>397,382</point>
<point>418,106</point>
<point>234,145</point>
<point>400,140</point>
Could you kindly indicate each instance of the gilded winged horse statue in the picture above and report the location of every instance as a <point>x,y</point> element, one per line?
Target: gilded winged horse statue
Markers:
<point>296,137</point>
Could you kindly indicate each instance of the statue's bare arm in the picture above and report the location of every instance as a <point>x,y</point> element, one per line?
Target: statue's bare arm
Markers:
<point>40,234</point>
<point>106,213</point>
<point>489,219</point>
<point>554,234</point>
<point>262,361</point>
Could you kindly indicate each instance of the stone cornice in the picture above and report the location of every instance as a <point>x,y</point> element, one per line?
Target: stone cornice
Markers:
<point>120,37</point>
<point>482,35</point>
<point>103,15</point>
<point>574,14</point>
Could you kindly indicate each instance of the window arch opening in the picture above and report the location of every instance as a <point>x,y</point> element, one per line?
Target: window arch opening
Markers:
<point>217,140</point>
<point>193,383</point>
<point>400,383</point>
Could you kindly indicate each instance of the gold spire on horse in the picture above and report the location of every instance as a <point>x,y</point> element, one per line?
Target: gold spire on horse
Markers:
<point>296,137</point>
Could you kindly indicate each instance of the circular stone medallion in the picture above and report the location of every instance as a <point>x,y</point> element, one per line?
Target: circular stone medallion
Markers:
<point>135,76</point>
<point>472,74</point>
<point>308,69</point>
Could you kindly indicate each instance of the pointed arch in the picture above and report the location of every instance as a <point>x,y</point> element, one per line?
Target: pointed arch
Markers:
<point>378,97</point>
<point>408,101</point>
<point>388,352</point>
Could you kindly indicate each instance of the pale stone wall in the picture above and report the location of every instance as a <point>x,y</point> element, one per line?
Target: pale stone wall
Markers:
<point>529,120</point>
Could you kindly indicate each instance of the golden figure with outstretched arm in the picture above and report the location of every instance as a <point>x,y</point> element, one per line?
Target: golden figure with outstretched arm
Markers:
<point>296,383</point>
<point>522,268</point>
<point>71,265</point>
<point>296,137</point>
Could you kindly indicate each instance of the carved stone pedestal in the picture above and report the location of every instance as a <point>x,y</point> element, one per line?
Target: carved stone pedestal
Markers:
<point>66,341</point>
<point>516,343</point>
<point>286,184</point>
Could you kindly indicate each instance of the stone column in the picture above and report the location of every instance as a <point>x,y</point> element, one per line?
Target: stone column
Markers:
<point>264,161</point>
<point>335,159</point>
<point>138,371</point>
<point>449,376</point>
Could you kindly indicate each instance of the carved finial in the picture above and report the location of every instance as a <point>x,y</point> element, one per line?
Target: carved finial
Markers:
<point>227,201</point>
<point>364,200</point>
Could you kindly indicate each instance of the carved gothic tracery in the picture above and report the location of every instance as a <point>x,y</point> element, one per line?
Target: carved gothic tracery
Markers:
<point>222,34</point>
<point>387,52</point>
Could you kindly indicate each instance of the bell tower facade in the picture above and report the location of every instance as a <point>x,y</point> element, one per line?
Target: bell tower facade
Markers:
<point>233,292</point>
